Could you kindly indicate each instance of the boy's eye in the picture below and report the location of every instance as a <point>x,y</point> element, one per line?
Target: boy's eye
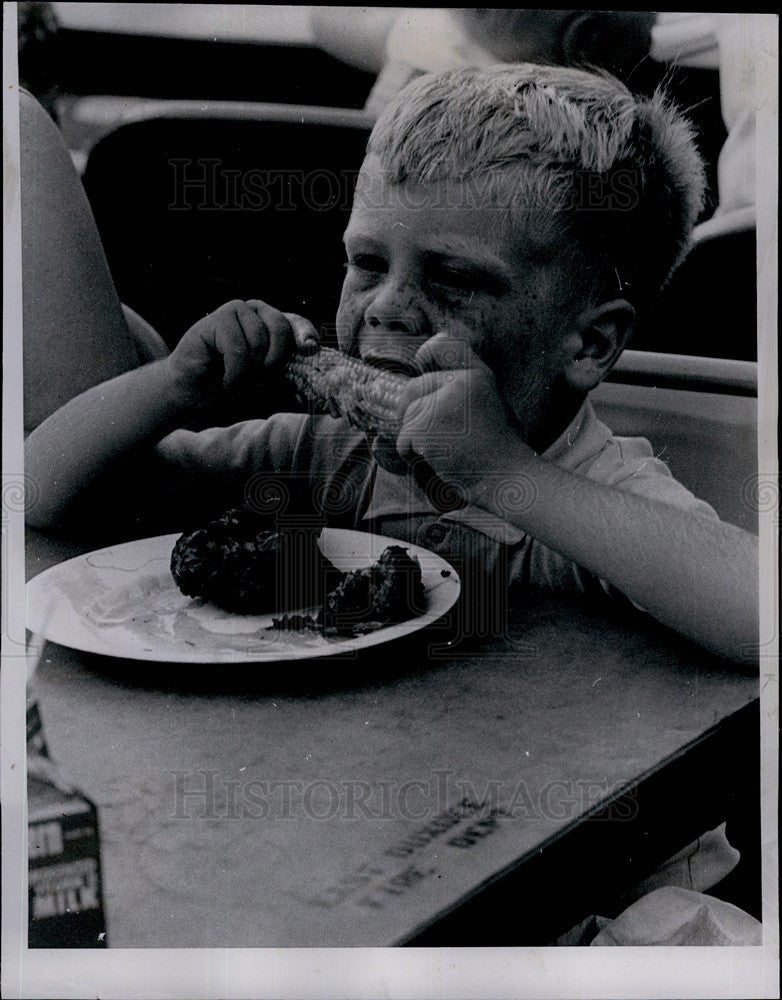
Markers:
<point>457,279</point>
<point>369,262</point>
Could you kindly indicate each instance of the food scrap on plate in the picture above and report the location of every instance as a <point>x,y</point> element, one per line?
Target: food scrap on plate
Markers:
<point>238,564</point>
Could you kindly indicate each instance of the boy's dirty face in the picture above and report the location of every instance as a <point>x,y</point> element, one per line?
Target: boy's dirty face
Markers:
<point>435,257</point>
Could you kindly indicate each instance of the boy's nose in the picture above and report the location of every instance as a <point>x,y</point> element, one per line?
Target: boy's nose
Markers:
<point>396,308</point>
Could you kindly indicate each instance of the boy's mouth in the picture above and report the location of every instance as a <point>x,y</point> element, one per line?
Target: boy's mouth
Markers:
<point>395,365</point>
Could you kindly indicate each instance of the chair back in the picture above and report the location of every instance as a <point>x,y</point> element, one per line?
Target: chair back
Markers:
<point>194,210</point>
<point>700,416</point>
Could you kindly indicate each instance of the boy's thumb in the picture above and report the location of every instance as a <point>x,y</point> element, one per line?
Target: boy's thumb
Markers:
<point>451,351</point>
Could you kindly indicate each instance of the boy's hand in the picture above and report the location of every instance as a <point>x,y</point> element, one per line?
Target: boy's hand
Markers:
<point>456,421</point>
<point>232,347</point>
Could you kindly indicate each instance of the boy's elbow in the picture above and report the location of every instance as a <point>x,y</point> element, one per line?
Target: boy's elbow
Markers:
<point>747,603</point>
<point>741,647</point>
<point>735,615</point>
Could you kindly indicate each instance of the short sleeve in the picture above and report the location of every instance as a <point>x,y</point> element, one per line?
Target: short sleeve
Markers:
<point>625,464</point>
<point>638,471</point>
<point>290,463</point>
<point>200,473</point>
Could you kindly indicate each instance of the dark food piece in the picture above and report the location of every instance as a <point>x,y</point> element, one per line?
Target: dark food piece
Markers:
<point>390,591</point>
<point>241,566</point>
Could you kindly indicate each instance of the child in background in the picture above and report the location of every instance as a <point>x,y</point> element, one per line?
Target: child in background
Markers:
<point>507,226</point>
<point>401,43</point>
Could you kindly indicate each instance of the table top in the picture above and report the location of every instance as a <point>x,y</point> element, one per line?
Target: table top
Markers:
<point>353,802</point>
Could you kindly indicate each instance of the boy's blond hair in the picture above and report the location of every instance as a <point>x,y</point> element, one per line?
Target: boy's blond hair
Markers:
<point>622,175</point>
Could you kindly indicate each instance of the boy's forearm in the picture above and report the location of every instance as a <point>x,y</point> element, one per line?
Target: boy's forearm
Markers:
<point>95,432</point>
<point>694,574</point>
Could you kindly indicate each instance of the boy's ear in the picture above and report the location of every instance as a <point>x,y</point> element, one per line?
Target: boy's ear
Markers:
<point>597,340</point>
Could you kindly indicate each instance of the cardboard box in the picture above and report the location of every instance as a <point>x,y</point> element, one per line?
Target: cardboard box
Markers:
<point>65,898</point>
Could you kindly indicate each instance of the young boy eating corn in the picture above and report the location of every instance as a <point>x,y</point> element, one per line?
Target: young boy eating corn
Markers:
<point>508,226</point>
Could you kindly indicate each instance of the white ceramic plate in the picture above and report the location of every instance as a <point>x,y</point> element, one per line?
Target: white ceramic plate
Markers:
<point>122,601</point>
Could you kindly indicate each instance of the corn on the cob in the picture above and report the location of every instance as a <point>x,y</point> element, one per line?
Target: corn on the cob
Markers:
<point>368,397</point>
<point>371,399</point>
